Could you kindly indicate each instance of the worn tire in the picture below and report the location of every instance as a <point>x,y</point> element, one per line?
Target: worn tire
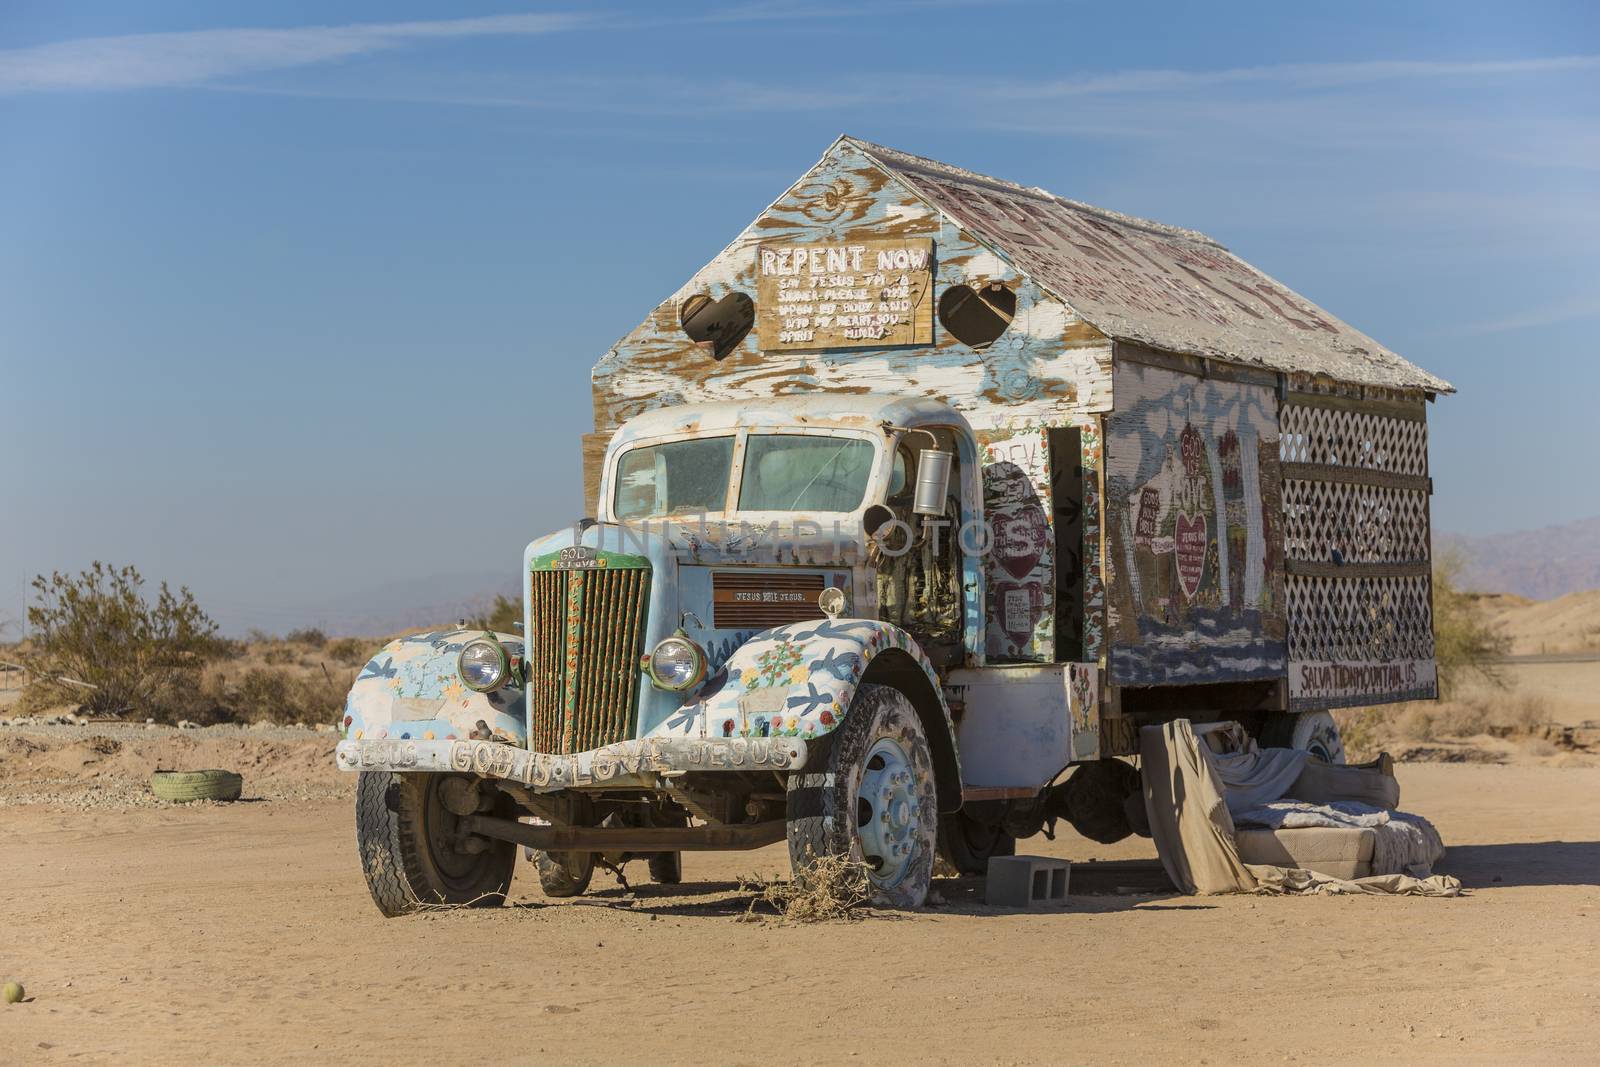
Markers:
<point>1095,799</point>
<point>826,808</point>
<point>968,844</point>
<point>564,874</point>
<point>666,868</point>
<point>182,787</point>
<point>402,828</point>
<point>1315,732</point>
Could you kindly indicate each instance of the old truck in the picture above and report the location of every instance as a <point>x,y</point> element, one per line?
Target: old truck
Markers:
<point>905,512</point>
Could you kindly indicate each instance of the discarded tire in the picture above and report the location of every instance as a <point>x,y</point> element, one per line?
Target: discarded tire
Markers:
<point>182,787</point>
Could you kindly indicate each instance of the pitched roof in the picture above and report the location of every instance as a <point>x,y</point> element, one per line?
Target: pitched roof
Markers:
<point>1140,281</point>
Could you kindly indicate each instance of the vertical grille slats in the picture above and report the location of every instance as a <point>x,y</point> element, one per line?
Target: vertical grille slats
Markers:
<point>588,631</point>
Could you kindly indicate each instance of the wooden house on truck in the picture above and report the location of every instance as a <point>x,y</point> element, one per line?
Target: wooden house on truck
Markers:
<point>1206,491</point>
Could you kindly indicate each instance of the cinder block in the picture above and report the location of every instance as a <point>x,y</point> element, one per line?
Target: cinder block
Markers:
<point>1026,882</point>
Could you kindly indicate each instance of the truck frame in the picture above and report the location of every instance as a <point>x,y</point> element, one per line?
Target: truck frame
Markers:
<point>928,490</point>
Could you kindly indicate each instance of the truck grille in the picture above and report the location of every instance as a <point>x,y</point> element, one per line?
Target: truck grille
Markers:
<point>583,656</point>
<point>742,600</point>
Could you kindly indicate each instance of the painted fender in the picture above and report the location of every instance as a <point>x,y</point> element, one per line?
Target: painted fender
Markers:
<point>798,681</point>
<point>411,690</point>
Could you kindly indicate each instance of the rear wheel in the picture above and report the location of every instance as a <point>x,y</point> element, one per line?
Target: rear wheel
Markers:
<point>564,874</point>
<point>968,844</point>
<point>666,868</point>
<point>412,852</point>
<point>873,802</point>
<point>1315,732</point>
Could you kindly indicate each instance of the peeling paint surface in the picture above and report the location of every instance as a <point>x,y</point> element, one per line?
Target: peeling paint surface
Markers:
<point>1047,362</point>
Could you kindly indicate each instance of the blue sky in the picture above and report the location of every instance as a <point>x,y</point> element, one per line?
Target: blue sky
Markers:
<point>277,280</point>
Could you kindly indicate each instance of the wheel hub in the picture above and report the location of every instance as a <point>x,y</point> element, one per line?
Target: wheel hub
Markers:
<point>887,811</point>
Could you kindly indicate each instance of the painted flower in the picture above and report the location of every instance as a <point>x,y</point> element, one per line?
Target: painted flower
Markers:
<point>427,735</point>
<point>826,718</point>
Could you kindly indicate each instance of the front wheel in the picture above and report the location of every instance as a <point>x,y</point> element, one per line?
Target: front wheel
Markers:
<point>411,851</point>
<point>873,802</point>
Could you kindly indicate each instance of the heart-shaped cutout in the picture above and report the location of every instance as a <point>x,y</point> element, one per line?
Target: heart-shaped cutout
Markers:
<point>977,317</point>
<point>717,325</point>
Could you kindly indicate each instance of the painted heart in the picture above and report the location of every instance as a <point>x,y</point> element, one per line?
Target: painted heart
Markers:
<point>1020,538</point>
<point>1190,545</point>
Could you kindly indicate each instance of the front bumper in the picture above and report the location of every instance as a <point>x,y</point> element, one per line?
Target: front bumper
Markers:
<point>625,763</point>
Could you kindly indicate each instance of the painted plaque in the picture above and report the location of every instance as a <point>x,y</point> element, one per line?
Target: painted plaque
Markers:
<point>847,294</point>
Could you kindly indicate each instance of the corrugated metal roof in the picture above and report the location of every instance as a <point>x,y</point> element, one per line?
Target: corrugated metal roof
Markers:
<point>1135,280</point>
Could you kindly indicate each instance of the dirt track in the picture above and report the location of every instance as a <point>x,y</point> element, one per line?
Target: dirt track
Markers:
<point>243,934</point>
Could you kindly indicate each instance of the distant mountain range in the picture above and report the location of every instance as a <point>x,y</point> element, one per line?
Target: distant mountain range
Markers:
<point>433,600</point>
<point>1542,564</point>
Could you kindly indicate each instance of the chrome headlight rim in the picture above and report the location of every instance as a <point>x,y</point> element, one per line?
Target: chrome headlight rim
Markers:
<point>502,675</point>
<point>697,657</point>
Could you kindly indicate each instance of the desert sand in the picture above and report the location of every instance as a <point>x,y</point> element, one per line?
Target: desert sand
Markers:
<point>243,933</point>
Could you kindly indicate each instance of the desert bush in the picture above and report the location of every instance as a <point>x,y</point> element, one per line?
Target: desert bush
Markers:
<point>268,695</point>
<point>97,628</point>
<point>1466,643</point>
<point>277,655</point>
<point>503,616</point>
<point>309,635</point>
<point>349,651</point>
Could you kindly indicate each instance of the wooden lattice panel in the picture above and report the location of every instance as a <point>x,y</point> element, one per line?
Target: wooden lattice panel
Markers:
<point>1362,440</point>
<point>1360,619</point>
<point>1358,581</point>
<point>1346,522</point>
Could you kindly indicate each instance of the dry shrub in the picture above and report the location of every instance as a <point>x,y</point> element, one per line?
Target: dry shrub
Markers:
<point>350,651</point>
<point>1500,712</point>
<point>255,694</point>
<point>832,887</point>
<point>277,655</point>
<point>308,635</point>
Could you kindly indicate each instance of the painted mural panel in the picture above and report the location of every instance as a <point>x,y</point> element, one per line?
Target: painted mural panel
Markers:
<point>1021,564</point>
<point>1191,497</point>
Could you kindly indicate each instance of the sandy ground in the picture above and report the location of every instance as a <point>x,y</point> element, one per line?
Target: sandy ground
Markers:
<point>243,933</point>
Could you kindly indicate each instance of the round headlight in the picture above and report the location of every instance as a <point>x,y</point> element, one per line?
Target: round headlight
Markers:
<point>676,663</point>
<point>484,665</point>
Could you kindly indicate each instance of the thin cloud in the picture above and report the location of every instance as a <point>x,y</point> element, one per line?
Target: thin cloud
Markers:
<point>1581,307</point>
<point>200,57</point>
<point>1291,75</point>
<point>157,60</point>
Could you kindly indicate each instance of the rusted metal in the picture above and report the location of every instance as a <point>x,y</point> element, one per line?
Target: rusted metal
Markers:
<point>739,838</point>
<point>588,630</point>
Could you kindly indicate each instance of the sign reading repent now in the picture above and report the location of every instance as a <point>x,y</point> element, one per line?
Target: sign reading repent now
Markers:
<point>853,294</point>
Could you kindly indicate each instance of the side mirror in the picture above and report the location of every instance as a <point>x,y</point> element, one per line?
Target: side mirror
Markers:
<point>933,481</point>
<point>875,518</point>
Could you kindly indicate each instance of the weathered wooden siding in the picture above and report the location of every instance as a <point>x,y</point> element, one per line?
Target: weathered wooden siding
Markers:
<point>1046,365</point>
<point>1193,535</point>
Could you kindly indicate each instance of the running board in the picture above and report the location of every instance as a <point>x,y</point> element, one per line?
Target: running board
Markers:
<point>714,838</point>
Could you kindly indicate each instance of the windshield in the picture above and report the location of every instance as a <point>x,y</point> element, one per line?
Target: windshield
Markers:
<point>671,478</point>
<point>803,472</point>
